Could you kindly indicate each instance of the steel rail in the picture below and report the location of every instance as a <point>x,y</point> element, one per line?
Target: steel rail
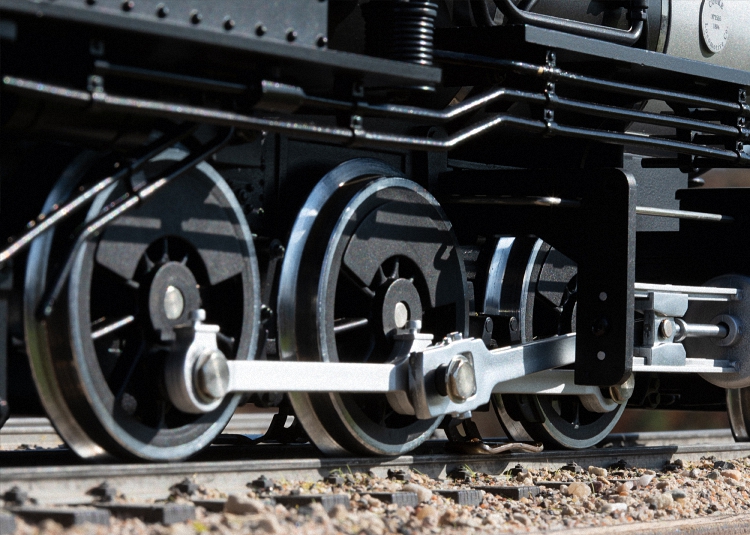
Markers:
<point>62,479</point>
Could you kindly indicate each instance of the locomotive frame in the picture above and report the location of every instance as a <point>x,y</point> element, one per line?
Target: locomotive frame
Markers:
<point>292,214</point>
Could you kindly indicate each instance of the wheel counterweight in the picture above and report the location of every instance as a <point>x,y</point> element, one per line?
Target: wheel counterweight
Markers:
<point>98,359</point>
<point>388,258</point>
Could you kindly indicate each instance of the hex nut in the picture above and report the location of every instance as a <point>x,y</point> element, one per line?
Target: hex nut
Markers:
<point>460,380</point>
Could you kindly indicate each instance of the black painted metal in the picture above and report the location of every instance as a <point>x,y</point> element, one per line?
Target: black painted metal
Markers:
<point>259,20</point>
<point>264,67</point>
<point>360,137</point>
<point>121,207</point>
<point>630,89</point>
<point>603,247</point>
<point>46,221</point>
<point>400,30</point>
<point>308,19</point>
<point>6,285</point>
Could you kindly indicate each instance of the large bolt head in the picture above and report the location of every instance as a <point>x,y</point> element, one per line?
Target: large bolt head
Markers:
<point>460,380</point>
<point>212,375</point>
<point>621,393</point>
<point>666,328</point>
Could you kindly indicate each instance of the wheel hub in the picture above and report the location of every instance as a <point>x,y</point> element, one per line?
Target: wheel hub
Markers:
<point>400,304</point>
<point>172,295</point>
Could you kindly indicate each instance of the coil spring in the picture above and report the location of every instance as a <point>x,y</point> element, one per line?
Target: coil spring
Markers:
<point>402,30</point>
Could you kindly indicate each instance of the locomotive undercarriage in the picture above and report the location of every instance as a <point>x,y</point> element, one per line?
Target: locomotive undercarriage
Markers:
<point>383,246</point>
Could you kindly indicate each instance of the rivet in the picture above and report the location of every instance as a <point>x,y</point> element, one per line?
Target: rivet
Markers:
<point>291,36</point>
<point>128,5</point>
<point>228,24</point>
<point>162,11</point>
<point>195,17</point>
<point>603,296</point>
<point>600,355</point>
<point>322,41</point>
<point>260,29</point>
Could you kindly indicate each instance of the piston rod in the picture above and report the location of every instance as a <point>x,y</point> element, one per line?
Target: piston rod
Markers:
<point>719,330</point>
<point>701,330</point>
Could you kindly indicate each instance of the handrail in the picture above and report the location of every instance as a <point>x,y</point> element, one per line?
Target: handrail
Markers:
<point>614,35</point>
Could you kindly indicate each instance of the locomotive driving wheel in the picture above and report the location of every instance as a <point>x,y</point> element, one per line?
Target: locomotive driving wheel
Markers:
<point>534,286</point>
<point>369,252</point>
<point>735,347</point>
<point>98,359</point>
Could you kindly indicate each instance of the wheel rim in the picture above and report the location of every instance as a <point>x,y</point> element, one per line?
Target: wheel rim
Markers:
<point>539,292</point>
<point>738,409</point>
<point>99,358</point>
<point>736,347</point>
<point>351,297</point>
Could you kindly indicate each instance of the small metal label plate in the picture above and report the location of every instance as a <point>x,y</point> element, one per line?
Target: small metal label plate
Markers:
<point>714,24</point>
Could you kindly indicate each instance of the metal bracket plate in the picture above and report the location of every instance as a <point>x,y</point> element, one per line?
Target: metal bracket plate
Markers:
<point>601,204</point>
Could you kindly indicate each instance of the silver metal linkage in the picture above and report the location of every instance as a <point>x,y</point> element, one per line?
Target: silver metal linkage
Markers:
<point>694,293</point>
<point>682,214</point>
<point>456,375</point>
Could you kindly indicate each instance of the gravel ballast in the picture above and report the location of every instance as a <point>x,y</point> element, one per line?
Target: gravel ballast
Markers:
<point>707,493</point>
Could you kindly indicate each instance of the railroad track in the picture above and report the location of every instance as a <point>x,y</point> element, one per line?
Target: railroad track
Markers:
<point>51,481</point>
<point>38,432</point>
<point>57,477</point>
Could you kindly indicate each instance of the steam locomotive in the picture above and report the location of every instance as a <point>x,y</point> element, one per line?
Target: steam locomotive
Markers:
<point>378,216</point>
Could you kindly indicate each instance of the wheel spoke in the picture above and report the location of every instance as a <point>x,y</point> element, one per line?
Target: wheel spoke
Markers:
<point>112,327</point>
<point>381,276</point>
<point>162,409</point>
<point>343,325</point>
<point>150,264</point>
<point>395,272</point>
<point>128,374</point>
<point>165,252</point>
